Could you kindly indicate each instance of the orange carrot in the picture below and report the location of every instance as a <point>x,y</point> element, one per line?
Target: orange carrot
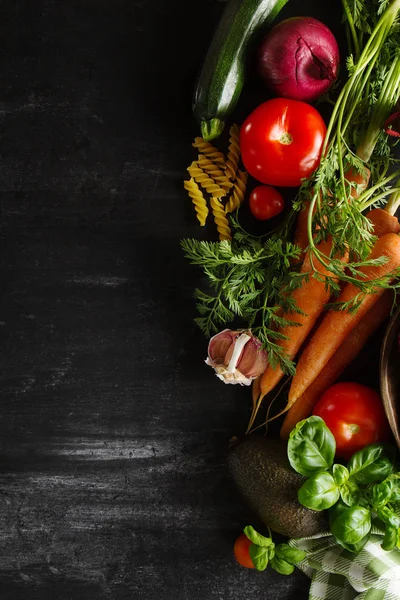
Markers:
<point>310,297</point>
<point>255,389</point>
<point>383,221</point>
<point>337,325</point>
<point>345,354</point>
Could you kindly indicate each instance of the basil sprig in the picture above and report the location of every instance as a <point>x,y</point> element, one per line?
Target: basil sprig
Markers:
<point>354,494</point>
<point>312,447</point>
<point>263,551</point>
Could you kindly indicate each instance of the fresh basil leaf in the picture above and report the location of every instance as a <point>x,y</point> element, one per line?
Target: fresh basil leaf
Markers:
<point>349,524</point>
<point>350,493</point>
<point>271,552</point>
<point>259,557</point>
<point>290,554</point>
<point>311,446</point>
<point>390,538</point>
<point>388,516</point>
<point>387,491</point>
<point>340,474</point>
<point>355,547</point>
<point>256,537</point>
<point>381,493</point>
<point>370,464</point>
<point>319,492</point>
<point>395,492</point>
<point>282,566</point>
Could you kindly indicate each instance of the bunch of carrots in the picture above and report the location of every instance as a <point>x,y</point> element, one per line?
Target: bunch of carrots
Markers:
<point>338,336</point>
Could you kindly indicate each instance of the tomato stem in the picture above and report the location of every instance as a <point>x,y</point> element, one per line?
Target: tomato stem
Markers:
<point>354,428</point>
<point>286,138</point>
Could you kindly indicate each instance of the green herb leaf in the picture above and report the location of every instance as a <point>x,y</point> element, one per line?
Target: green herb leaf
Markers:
<point>282,566</point>
<point>386,491</point>
<point>350,493</point>
<point>311,446</point>
<point>257,538</point>
<point>390,538</point>
<point>387,515</point>
<point>370,464</point>
<point>340,474</point>
<point>259,557</point>
<point>290,554</point>
<point>381,492</point>
<point>356,548</point>
<point>349,524</point>
<point>319,492</point>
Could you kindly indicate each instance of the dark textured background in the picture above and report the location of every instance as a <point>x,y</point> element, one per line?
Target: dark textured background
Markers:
<point>113,432</point>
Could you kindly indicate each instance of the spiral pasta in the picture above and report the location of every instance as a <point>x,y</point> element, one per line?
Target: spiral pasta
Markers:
<point>216,180</point>
<point>210,151</point>
<point>198,200</point>
<point>232,161</point>
<point>239,190</point>
<point>220,219</point>
<point>205,181</point>
<point>214,172</point>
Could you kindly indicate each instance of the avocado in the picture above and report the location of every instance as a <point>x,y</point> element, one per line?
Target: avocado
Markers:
<point>264,478</point>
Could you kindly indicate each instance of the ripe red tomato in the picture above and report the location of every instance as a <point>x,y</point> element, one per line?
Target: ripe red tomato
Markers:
<point>281,141</point>
<point>241,551</point>
<point>265,202</point>
<point>355,415</point>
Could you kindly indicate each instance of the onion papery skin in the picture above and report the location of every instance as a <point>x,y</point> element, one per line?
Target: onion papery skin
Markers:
<point>299,59</point>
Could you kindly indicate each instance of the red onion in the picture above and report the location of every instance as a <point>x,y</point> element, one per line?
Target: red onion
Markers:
<point>299,58</point>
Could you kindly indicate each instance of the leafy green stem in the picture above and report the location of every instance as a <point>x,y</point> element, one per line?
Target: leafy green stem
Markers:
<point>350,23</point>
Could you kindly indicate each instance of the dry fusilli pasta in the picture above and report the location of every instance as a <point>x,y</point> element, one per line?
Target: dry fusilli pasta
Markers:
<point>214,176</point>
<point>214,172</point>
<point>205,181</point>
<point>198,200</point>
<point>220,219</point>
<point>239,190</point>
<point>210,151</point>
<point>233,152</point>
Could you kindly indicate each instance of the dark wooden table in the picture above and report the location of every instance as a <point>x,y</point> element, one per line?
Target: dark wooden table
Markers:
<point>113,431</point>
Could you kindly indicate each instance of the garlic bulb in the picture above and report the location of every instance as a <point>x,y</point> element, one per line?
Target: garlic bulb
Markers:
<point>236,356</point>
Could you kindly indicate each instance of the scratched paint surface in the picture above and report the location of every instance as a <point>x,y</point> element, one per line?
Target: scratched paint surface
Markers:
<point>113,432</point>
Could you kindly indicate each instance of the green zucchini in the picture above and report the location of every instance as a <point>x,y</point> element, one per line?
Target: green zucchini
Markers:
<point>220,82</point>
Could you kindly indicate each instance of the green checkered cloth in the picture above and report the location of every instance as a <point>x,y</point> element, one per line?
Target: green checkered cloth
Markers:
<point>337,574</point>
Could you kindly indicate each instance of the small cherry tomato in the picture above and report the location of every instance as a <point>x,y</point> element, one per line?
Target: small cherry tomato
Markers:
<point>265,202</point>
<point>241,551</point>
<point>355,415</point>
<point>281,141</point>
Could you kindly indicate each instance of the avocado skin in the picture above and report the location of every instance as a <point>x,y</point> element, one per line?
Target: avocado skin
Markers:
<point>263,476</point>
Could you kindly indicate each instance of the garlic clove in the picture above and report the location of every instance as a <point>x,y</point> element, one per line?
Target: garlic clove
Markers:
<point>220,344</point>
<point>254,359</point>
<point>236,351</point>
